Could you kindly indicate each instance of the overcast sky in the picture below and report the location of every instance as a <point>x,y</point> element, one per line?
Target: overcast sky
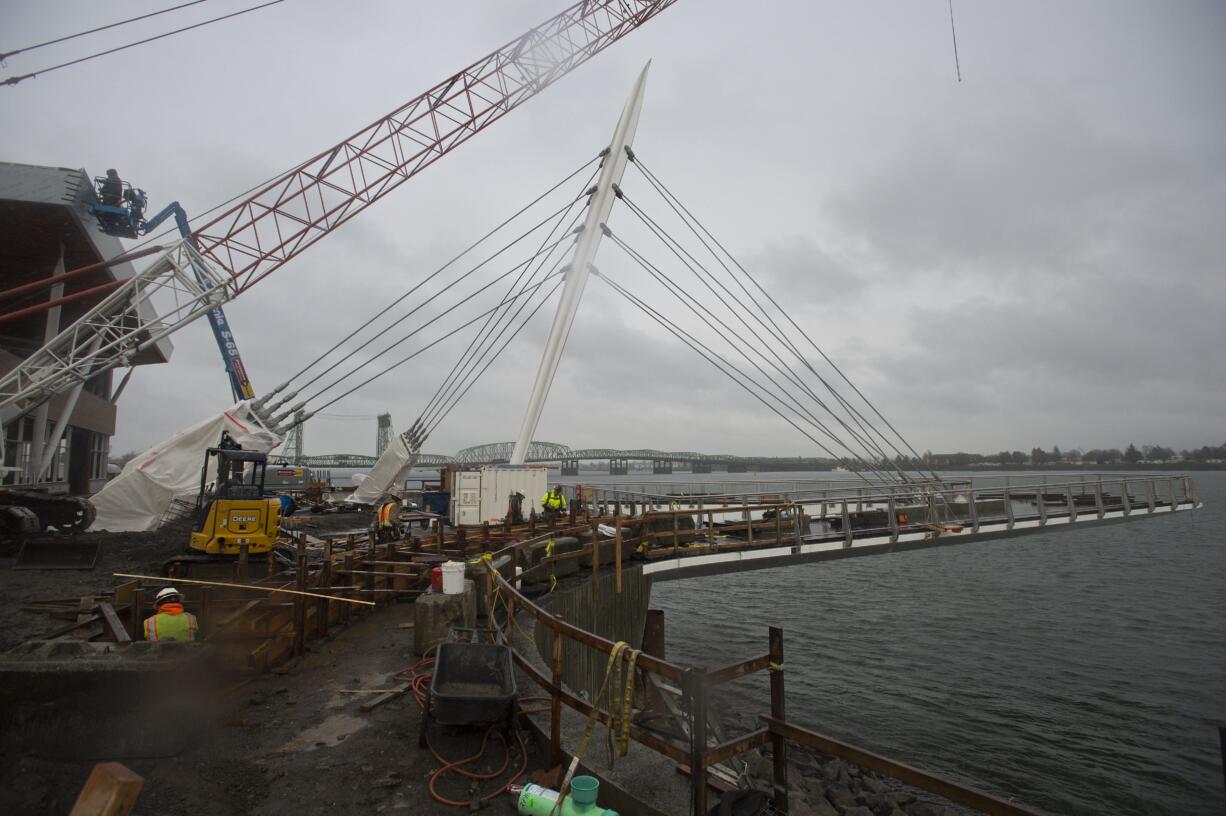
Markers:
<point>1033,256</point>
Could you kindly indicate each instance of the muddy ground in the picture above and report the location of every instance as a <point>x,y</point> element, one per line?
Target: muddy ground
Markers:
<point>137,553</point>
<point>293,743</point>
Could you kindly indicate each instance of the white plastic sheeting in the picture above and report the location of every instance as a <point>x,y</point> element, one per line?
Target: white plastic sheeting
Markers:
<point>393,464</point>
<point>138,498</point>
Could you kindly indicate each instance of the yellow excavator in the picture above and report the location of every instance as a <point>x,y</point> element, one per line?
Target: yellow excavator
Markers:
<point>233,512</point>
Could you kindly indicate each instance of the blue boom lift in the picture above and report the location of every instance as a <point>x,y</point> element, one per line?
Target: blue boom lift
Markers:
<point>120,209</point>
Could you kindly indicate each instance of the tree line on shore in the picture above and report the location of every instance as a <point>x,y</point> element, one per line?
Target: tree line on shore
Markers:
<point>1131,455</point>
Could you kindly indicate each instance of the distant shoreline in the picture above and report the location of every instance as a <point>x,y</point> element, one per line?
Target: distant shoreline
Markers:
<point>983,467</point>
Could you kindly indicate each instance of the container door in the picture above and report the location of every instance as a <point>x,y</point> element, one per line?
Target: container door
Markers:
<point>467,499</point>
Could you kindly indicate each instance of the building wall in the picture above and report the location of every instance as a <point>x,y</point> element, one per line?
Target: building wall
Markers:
<point>46,228</point>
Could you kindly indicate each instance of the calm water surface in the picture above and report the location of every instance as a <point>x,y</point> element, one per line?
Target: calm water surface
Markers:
<point>1078,672</point>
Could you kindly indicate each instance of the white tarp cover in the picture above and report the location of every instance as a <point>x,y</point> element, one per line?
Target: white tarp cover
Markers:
<point>395,460</point>
<point>140,495</point>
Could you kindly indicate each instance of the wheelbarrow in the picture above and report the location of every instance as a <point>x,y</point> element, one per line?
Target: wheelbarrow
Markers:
<point>473,682</point>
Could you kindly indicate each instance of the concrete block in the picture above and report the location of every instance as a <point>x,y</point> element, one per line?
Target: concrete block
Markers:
<point>565,544</point>
<point>435,613</point>
<point>608,553</point>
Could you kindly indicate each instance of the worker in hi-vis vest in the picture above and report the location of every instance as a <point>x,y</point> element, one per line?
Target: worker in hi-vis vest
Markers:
<point>553,502</point>
<point>170,622</point>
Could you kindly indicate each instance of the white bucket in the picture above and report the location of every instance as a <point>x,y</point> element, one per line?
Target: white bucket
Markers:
<point>453,578</point>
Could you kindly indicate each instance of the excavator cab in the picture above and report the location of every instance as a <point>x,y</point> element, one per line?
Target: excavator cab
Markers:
<point>233,511</point>
<point>118,206</point>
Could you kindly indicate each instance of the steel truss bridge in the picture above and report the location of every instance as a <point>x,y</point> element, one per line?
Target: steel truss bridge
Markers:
<point>569,458</point>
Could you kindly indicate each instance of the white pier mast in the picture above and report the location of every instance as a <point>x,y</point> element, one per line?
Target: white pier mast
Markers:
<point>598,209</point>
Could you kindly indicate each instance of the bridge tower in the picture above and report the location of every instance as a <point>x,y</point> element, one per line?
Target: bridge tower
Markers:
<point>570,467</point>
<point>598,207</point>
<point>383,435</point>
<point>662,467</point>
<point>619,466</point>
<point>292,448</point>
<point>700,467</point>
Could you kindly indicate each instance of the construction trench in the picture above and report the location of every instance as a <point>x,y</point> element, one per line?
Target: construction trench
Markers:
<point>317,658</point>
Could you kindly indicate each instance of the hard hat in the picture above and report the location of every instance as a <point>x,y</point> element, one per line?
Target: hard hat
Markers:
<point>112,172</point>
<point>167,595</point>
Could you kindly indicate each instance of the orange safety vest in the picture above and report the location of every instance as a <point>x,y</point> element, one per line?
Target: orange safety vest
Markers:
<point>171,623</point>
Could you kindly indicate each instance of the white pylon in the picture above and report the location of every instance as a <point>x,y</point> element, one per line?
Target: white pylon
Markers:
<point>598,209</point>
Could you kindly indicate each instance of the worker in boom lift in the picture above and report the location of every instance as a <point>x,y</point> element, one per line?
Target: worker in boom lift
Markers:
<point>111,189</point>
<point>553,502</point>
<point>170,622</point>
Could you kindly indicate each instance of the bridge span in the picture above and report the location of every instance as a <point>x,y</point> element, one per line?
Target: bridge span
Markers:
<point>662,462</point>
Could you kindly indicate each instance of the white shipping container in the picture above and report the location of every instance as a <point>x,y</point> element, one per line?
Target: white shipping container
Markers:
<point>482,495</point>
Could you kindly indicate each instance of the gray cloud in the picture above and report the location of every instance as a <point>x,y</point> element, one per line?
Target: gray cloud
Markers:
<point>1031,257</point>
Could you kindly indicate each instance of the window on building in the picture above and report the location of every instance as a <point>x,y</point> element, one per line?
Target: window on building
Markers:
<point>99,448</point>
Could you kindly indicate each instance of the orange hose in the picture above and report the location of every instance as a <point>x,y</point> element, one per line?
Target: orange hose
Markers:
<point>418,679</point>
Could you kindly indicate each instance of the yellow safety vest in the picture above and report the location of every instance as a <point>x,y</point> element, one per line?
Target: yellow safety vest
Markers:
<point>553,502</point>
<point>173,624</point>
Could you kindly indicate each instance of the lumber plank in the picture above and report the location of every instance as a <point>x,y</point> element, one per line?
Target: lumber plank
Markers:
<point>113,623</point>
<point>384,697</point>
<point>110,790</point>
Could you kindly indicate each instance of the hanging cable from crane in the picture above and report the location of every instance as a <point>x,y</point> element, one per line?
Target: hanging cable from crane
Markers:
<point>13,80</point>
<point>7,54</point>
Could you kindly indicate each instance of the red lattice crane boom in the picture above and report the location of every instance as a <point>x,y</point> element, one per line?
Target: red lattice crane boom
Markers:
<point>251,239</point>
<point>289,214</point>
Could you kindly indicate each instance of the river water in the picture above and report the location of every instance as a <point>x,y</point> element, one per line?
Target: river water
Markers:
<point>1075,672</point>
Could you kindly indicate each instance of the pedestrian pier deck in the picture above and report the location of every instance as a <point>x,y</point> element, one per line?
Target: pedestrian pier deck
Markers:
<point>838,519</point>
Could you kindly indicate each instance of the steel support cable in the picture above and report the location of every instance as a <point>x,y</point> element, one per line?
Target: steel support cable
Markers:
<point>57,40</point>
<point>473,381</point>
<point>674,203</point>
<point>415,331</point>
<point>697,345</point>
<point>13,80</point>
<point>670,197</point>
<point>698,269</point>
<point>479,338</point>
<point>674,246</point>
<point>730,337</point>
<point>489,338</point>
<point>780,367</point>
<point>711,357</point>
<point>436,295</point>
<point>426,348</point>
<point>454,260</point>
<point>866,427</point>
<point>458,384</point>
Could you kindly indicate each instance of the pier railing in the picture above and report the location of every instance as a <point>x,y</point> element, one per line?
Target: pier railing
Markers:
<point>695,754</point>
<point>896,509</point>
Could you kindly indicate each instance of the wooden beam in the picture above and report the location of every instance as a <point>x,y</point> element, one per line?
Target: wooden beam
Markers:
<point>113,623</point>
<point>110,790</point>
<point>255,587</point>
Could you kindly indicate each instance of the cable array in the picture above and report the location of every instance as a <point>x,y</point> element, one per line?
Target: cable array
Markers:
<point>452,290</point>
<point>743,331</point>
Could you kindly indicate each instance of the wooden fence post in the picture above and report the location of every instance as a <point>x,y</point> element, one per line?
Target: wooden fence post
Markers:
<point>779,746</point>
<point>299,600</point>
<point>555,705</point>
<point>696,690</point>
<point>617,550</point>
